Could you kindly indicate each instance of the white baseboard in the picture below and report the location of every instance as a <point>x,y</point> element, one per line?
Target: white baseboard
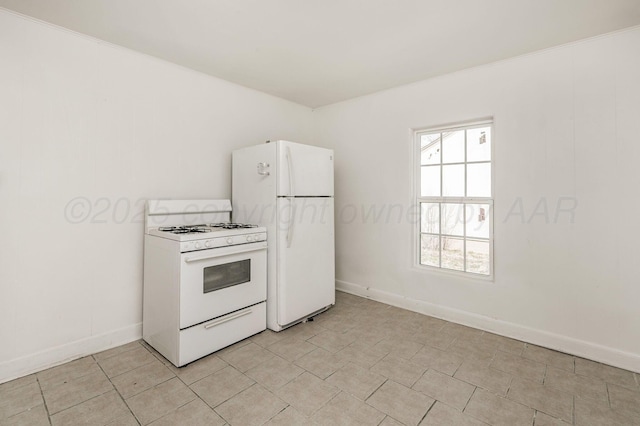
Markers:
<point>39,361</point>
<point>581,348</point>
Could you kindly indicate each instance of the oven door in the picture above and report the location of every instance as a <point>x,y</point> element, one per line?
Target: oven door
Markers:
<point>217,281</point>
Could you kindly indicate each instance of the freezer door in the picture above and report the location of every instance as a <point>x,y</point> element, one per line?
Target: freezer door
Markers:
<point>304,170</point>
<point>306,270</point>
<point>253,184</point>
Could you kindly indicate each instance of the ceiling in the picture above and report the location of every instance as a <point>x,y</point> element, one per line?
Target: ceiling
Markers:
<point>320,52</point>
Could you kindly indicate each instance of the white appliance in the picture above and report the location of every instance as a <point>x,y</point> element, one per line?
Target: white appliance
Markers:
<point>205,281</point>
<point>288,188</point>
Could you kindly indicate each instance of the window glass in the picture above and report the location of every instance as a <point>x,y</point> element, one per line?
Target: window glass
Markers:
<point>430,253</point>
<point>453,219</point>
<point>452,253</point>
<point>430,217</point>
<point>479,144</point>
<point>453,180</point>
<point>479,180</point>
<point>478,256</point>
<point>430,149</point>
<point>453,147</point>
<point>430,181</point>
<point>477,220</point>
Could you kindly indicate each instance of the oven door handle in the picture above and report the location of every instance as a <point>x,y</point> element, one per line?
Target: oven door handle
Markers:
<point>228,318</point>
<point>219,255</point>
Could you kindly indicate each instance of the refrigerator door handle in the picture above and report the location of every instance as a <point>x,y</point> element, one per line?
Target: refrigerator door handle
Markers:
<point>290,165</point>
<point>262,169</point>
<point>291,223</point>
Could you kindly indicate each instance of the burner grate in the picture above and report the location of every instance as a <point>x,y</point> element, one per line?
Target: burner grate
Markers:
<point>232,225</point>
<point>196,229</point>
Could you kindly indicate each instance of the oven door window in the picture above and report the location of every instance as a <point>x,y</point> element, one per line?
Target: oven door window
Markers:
<point>226,275</point>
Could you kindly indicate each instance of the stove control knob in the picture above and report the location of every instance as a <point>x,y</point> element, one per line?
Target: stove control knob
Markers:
<point>197,245</point>
<point>229,240</point>
<point>207,243</point>
<point>249,237</point>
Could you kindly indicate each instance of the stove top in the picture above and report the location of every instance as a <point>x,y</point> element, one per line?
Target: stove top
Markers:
<point>205,231</point>
<point>199,229</point>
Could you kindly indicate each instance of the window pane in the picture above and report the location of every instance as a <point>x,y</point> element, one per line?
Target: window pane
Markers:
<point>479,144</point>
<point>453,181</point>
<point>478,259</point>
<point>430,149</point>
<point>478,180</point>
<point>452,253</point>
<point>430,216</point>
<point>430,250</point>
<point>453,147</point>
<point>477,217</point>
<point>430,181</point>
<point>453,219</point>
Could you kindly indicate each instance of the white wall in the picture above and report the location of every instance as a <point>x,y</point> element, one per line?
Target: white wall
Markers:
<point>81,118</point>
<point>566,125</point>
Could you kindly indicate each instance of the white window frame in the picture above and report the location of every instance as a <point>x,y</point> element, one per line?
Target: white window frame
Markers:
<point>418,198</point>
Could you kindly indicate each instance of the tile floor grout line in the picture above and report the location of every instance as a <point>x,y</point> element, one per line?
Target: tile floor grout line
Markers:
<point>152,387</point>
<point>458,368</point>
<point>82,402</point>
<point>44,401</point>
<point>428,409</point>
<point>470,397</point>
<point>421,376</point>
<point>383,419</point>
<point>128,371</point>
<point>185,383</point>
<point>185,404</point>
<point>69,362</point>
<point>214,408</point>
<point>272,417</point>
<point>326,403</point>
<point>120,353</point>
<point>86,400</point>
<point>118,392</point>
<point>375,390</point>
<point>509,386</point>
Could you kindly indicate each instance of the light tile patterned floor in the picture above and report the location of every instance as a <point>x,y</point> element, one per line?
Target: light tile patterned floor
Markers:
<point>361,363</point>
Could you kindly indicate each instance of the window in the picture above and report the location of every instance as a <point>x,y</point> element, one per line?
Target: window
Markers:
<point>454,192</point>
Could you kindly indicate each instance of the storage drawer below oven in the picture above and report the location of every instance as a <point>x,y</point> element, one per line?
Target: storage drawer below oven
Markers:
<point>210,336</point>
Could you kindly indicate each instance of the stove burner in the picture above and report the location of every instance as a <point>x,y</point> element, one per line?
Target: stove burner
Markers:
<point>197,229</point>
<point>232,225</point>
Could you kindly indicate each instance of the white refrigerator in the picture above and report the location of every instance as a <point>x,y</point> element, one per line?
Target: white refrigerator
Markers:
<point>287,187</point>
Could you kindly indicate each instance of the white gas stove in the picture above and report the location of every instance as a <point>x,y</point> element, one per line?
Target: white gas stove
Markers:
<point>205,279</point>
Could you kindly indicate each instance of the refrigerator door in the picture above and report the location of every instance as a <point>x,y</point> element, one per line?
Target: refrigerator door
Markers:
<point>304,170</point>
<point>305,264</point>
